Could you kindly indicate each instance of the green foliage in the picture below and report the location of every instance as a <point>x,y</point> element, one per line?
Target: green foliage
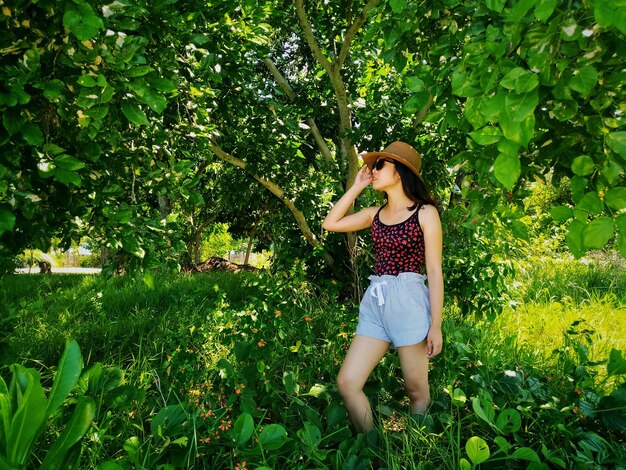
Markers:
<point>25,411</point>
<point>222,364</point>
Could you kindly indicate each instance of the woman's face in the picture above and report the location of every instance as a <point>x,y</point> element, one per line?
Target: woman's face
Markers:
<point>384,174</point>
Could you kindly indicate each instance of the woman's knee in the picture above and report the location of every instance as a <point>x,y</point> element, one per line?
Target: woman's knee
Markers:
<point>347,385</point>
<point>416,388</point>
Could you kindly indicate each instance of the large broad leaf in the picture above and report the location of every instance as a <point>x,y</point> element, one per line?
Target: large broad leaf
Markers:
<point>477,450</point>
<point>591,203</point>
<point>397,5</point>
<point>487,135</point>
<point>414,84</point>
<point>7,220</point>
<point>243,428</point>
<point>526,453</point>
<point>617,142</point>
<point>81,20</point>
<point>544,9</point>
<point>597,233</point>
<point>32,134</point>
<point>29,414</point>
<point>583,80</point>
<point>134,113</point>
<point>521,106</point>
<point>74,431</point>
<point>273,437</point>
<point>583,165</point>
<point>574,237</point>
<point>67,177</point>
<point>67,162</point>
<point>616,364</point>
<point>561,213</point>
<point>507,169</point>
<point>509,421</point>
<point>615,198</point>
<point>611,13</point>
<point>520,80</point>
<point>518,132</point>
<point>66,377</point>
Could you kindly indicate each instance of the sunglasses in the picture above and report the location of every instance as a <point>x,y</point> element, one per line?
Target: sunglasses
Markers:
<point>380,163</point>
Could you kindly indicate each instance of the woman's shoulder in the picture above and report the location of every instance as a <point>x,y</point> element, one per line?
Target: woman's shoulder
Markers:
<point>428,212</point>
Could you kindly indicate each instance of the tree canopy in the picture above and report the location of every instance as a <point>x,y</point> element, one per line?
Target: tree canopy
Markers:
<point>136,123</point>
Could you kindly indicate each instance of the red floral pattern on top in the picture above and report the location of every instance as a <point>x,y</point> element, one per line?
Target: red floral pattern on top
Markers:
<point>398,248</point>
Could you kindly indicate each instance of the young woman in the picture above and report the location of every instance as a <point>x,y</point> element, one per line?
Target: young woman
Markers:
<point>397,309</point>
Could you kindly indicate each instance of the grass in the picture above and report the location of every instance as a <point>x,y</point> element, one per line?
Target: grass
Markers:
<point>249,361</point>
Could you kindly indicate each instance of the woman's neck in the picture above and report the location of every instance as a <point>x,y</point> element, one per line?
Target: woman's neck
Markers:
<point>398,201</point>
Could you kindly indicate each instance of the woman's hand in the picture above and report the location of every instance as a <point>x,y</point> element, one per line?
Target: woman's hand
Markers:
<point>434,342</point>
<point>363,177</point>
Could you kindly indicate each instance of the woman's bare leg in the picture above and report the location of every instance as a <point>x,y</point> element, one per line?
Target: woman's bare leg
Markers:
<point>363,356</point>
<point>414,363</point>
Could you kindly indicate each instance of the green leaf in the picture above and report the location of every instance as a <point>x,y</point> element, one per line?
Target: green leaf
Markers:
<point>78,425</point>
<point>67,177</point>
<point>7,220</point>
<point>520,80</point>
<point>574,237</point>
<point>67,162</point>
<point>414,84</point>
<point>397,6</point>
<point>487,135</point>
<point>243,428</point>
<point>273,437</point>
<point>87,81</point>
<point>617,142</point>
<point>520,230</point>
<point>509,421</point>
<point>518,132</point>
<point>134,113</point>
<point>81,20</point>
<point>616,364</point>
<point>496,5</point>
<point>66,377</point>
<point>564,110</point>
<point>590,203</point>
<point>486,413</point>
<point>521,106</point>
<point>526,453</point>
<point>29,414</point>
<point>54,88</point>
<point>583,80</point>
<point>163,84</point>
<point>544,9</point>
<point>290,382</point>
<point>148,279</point>
<point>463,85</point>
<point>464,464</point>
<point>597,233</point>
<point>32,134</point>
<point>507,169</point>
<point>458,397</point>
<point>561,213</point>
<point>611,13</point>
<point>477,450</point>
<point>615,198</point>
<point>167,421</point>
<point>415,103</point>
<point>583,165</point>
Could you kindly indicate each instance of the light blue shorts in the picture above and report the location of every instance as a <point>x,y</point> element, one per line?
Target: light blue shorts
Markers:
<point>395,309</point>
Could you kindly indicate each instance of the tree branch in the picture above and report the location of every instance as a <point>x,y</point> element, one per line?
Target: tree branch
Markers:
<point>305,24</point>
<point>276,191</point>
<point>284,84</point>
<point>352,30</point>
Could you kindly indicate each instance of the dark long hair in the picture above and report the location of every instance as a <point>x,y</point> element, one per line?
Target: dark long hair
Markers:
<point>414,187</point>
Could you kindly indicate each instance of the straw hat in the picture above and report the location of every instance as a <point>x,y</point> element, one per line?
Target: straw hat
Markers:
<point>398,151</point>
